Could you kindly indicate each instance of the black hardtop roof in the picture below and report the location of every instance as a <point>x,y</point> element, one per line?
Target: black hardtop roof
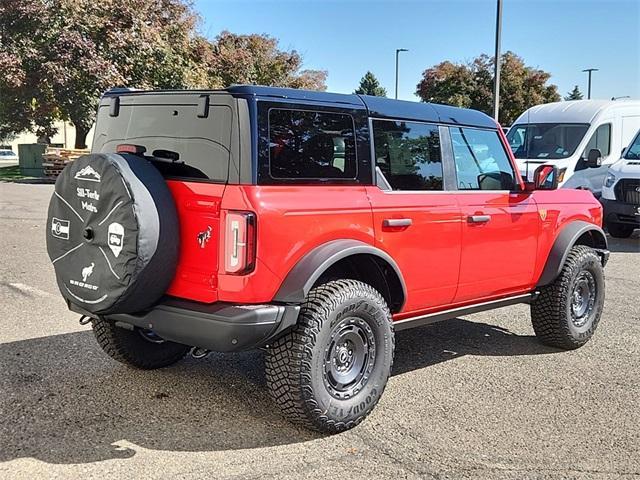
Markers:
<point>379,107</point>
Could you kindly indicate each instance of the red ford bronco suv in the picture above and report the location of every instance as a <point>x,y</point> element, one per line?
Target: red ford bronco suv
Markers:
<point>312,225</point>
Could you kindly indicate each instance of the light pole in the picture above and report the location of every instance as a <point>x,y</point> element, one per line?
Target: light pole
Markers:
<point>589,70</point>
<point>398,50</point>
<point>496,71</point>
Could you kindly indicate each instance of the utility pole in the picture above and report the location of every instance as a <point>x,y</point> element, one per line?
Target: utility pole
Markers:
<point>589,70</point>
<point>398,50</point>
<point>496,72</point>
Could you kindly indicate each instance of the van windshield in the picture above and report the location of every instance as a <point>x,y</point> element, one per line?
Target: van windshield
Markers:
<point>633,152</point>
<point>547,141</point>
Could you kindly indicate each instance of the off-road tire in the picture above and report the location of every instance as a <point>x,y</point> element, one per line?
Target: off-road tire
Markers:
<point>132,349</point>
<point>552,314</point>
<point>620,230</point>
<point>296,363</point>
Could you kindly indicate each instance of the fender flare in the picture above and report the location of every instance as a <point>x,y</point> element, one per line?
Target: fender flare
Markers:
<point>311,266</point>
<point>563,243</point>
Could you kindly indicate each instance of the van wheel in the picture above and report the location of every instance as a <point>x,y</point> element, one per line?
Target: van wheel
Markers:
<point>137,348</point>
<point>567,312</point>
<point>620,230</point>
<point>329,372</point>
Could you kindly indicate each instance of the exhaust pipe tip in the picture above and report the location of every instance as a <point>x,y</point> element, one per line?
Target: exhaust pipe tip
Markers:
<point>198,353</point>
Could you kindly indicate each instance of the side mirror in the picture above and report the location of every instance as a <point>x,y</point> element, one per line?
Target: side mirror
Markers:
<point>544,178</point>
<point>594,158</point>
<point>624,151</point>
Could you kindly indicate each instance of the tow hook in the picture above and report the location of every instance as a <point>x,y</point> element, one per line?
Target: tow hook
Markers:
<point>198,353</point>
<point>85,320</point>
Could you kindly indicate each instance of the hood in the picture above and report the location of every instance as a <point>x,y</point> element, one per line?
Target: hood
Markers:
<point>626,168</point>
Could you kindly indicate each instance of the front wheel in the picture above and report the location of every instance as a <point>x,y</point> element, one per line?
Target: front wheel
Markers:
<point>567,312</point>
<point>329,372</point>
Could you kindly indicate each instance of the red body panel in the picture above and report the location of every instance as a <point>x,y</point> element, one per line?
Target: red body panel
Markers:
<point>427,251</point>
<point>498,256</point>
<point>292,221</point>
<point>198,206</point>
<point>445,260</point>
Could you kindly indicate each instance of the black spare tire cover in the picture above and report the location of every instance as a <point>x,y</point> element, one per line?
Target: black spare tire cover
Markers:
<point>112,233</point>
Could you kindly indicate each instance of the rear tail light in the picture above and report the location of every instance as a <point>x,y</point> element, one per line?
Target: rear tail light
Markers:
<point>240,243</point>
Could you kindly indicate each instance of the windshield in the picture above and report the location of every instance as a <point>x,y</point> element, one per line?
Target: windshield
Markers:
<point>633,152</point>
<point>547,141</point>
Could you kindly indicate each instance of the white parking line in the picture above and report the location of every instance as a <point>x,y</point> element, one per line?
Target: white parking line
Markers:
<point>32,290</point>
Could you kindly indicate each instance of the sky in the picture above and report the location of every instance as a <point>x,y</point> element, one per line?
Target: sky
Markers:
<point>349,37</point>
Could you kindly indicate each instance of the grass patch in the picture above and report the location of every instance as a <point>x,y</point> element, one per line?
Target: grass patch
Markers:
<point>11,173</point>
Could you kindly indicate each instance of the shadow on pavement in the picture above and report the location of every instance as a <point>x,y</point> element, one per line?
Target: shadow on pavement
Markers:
<point>63,401</point>
<point>625,245</point>
<point>425,346</point>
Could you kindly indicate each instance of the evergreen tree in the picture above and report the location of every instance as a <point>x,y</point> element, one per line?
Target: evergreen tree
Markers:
<point>369,85</point>
<point>574,94</point>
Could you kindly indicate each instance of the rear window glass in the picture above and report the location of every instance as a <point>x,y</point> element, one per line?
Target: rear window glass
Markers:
<point>177,141</point>
<point>311,145</point>
<point>408,154</point>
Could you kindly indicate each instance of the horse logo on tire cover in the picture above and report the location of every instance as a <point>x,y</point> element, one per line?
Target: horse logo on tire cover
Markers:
<point>115,238</point>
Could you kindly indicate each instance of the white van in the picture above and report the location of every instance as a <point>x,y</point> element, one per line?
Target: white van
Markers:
<point>580,137</point>
<point>621,193</point>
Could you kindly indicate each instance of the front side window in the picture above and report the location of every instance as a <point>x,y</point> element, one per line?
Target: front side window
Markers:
<point>601,139</point>
<point>311,145</point>
<point>480,160</point>
<point>546,141</point>
<point>408,154</point>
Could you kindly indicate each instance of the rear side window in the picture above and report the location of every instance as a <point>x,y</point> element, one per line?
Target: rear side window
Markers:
<point>176,140</point>
<point>311,145</point>
<point>408,154</point>
<point>481,161</point>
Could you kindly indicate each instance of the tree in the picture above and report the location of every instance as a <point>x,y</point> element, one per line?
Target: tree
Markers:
<point>257,60</point>
<point>574,94</point>
<point>369,85</point>
<point>59,56</point>
<point>470,85</point>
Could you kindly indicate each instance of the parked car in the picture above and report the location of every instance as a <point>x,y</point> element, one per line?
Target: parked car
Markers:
<point>580,137</point>
<point>7,156</point>
<point>621,192</point>
<point>312,225</point>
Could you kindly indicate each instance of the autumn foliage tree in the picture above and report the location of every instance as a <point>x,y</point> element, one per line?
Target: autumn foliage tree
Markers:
<point>470,85</point>
<point>59,56</point>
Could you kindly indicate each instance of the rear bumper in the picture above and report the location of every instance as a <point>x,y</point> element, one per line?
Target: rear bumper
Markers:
<point>220,327</point>
<point>618,212</point>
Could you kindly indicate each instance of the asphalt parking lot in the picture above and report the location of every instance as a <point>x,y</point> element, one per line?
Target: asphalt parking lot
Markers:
<point>475,397</point>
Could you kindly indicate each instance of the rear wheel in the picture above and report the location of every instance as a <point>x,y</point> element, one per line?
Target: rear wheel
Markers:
<point>137,348</point>
<point>329,372</point>
<point>620,230</point>
<point>567,312</point>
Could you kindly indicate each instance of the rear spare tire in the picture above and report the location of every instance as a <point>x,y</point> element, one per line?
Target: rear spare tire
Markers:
<point>112,233</point>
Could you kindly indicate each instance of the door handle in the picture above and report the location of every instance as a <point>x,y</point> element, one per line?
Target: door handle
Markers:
<point>396,222</point>
<point>478,218</point>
